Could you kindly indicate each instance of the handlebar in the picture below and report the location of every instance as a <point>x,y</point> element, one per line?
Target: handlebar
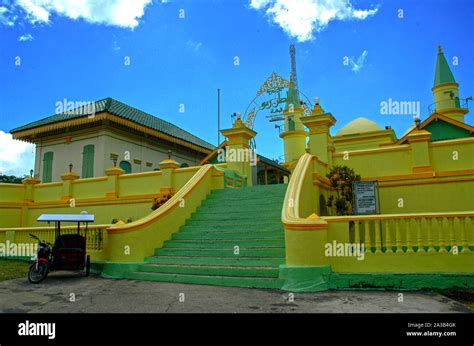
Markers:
<point>35,237</point>
<point>38,239</point>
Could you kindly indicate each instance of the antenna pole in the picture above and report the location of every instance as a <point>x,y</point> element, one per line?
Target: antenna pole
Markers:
<point>293,65</point>
<point>218,117</point>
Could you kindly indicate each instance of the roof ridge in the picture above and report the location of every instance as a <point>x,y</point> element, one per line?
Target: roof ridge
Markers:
<point>108,103</point>
<point>125,111</point>
<point>159,118</point>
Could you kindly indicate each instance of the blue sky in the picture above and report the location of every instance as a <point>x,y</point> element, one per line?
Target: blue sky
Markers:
<point>79,54</point>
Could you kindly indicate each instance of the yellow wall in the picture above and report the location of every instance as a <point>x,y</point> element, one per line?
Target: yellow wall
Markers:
<point>135,196</point>
<point>441,195</point>
<point>377,162</point>
<point>445,186</point>
<point>442,155</point>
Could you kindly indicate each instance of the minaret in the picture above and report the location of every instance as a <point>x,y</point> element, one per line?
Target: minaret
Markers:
<point>445,91</point>
<point>294,136</point>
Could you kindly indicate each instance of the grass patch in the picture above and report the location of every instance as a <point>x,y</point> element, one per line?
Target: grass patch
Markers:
<point>11,269</point>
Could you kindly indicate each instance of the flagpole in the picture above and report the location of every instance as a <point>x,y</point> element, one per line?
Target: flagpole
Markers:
<point>218,116</point>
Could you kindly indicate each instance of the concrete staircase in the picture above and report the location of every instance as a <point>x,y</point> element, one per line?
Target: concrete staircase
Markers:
<point>204,250</point>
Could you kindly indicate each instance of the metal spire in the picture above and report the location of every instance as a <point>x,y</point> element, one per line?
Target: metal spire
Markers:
<point>293,65</point>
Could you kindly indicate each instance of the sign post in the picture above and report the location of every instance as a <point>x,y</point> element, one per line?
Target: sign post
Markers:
<point>365,197</point>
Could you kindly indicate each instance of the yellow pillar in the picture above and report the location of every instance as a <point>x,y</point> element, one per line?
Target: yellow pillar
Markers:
<point>419,142</point>
<point>319,124</point>
<point>67,179</point>
<point>28,183</point>
<point>238,154</point>
<point>112,183</point>
<point>167,167</point>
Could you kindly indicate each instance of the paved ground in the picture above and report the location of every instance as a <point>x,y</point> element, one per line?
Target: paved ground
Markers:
<point>95,294</point>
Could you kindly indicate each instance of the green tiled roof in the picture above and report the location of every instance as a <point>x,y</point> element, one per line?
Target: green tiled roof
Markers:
<point>272,163</point>
<point>443,73</point>
<point>127,112</point>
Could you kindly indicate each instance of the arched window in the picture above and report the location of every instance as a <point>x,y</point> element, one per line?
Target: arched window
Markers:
<point>88,161</point>
<point>48,167</point>
<point>126,166</point>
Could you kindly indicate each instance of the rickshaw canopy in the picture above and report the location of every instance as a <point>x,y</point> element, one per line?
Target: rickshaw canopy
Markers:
<point>66,218</point>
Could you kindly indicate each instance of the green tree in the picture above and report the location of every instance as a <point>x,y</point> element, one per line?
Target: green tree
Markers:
<point>11,179</point>
<point>341,178</point>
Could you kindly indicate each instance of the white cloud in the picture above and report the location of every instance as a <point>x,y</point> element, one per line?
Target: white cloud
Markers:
<point>122,13</point>
<point>16,157</point>
<point>359,63</point>
<point>25,37</point>
<point>6,17</point>
<point>301,18</point>
<point>195,46</point>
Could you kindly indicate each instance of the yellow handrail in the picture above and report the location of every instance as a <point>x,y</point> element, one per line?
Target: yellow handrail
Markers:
<point>398,216</point>
<point>290,215</point>
<point>172,203</point>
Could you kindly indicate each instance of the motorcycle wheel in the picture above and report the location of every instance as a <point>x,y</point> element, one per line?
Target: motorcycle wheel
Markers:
<point>88,265</point>
<point>38,272</point>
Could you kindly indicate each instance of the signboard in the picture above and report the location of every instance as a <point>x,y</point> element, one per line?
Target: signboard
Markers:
<point>365,197</point>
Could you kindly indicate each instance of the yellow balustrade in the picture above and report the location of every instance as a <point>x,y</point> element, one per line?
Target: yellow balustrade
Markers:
<point>414,233</point>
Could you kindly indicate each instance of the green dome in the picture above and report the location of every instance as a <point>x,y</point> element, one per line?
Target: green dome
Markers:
<point>358,125</point>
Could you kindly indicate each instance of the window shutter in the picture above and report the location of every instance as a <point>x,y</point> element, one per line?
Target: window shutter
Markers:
<point>88,161</point>
<point>48,167</point>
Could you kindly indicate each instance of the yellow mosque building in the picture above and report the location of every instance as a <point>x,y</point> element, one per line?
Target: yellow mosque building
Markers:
<point>270,226</point>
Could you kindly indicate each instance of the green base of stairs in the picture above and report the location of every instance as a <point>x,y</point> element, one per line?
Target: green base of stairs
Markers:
<point>203,251</point>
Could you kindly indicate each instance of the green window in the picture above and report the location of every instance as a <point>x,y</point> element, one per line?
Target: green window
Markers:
<point>48,167</point>
<point>88,161</point>
<point>126,166</point>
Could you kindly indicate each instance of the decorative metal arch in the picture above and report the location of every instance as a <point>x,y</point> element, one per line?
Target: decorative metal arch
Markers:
<point>272,87</point>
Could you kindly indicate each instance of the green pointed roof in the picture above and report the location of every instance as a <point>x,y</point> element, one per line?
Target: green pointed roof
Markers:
<point>443,73</point>
<point>292,96</point>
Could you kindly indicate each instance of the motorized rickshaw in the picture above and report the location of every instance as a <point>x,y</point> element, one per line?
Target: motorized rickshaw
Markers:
<point>68,251</point>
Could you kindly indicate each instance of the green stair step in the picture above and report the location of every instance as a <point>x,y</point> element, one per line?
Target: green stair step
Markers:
<point>254,199</point>
<point>251,282</point>
<point>271,272</point>
<point>228,235</point>
<point>219,208</point>
<point>216,227</point>
<point>257,189</point>
<point>224,244</point>
<point>261,216</point>
<point>216,261</point>
<point>202,252</point>
<point>236,194</point>
<point>238,203</point>
<point>225,223</point>
<point>243,252</point>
